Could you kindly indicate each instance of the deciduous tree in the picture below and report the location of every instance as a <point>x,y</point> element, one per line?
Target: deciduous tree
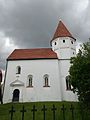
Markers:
<point>80,73</point>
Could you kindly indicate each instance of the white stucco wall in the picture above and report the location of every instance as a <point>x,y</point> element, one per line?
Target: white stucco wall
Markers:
<point>64,50</point>
<point>67,95</point>
<point>37,68</point>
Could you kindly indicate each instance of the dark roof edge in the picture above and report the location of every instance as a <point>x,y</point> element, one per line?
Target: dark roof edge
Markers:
<point>30,59</point>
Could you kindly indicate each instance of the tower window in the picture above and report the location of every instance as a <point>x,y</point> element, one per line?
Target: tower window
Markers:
<point>63,41</point>
<point>46,80</point>
<point>18,70</point>
<point>72,42</point>
<point>68,84</point>
<point>55,43</point>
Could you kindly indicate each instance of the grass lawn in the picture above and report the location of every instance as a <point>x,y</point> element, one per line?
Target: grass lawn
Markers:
<point>39,114</point>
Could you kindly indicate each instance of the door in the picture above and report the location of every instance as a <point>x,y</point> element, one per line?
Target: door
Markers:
<point>16,95</point>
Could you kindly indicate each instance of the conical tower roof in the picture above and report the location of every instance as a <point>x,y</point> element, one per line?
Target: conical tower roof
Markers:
<point>62,31</point>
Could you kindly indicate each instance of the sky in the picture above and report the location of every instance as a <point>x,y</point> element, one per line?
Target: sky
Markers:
<point>32,23</point>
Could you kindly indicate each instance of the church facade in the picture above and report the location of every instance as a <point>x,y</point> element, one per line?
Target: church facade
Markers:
<point>41,74</point>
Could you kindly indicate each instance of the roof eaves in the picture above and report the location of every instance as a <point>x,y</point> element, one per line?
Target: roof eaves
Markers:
<point>31,59</point>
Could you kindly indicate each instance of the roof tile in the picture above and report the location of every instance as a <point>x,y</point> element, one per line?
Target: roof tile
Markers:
<point>62,31</point>
<point>42,53</point>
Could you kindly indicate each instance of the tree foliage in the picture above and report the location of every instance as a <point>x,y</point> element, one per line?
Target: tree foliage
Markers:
<point>80,73</point>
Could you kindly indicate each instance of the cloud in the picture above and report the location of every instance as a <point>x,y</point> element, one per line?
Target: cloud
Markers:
<point>32,23</point>
<point>29,23</point>
<point>6,46</point>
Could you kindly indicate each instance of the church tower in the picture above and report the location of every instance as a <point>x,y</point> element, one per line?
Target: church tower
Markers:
<point>63,43</point>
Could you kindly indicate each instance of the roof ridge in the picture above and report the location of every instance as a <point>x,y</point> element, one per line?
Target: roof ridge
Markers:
<point>31,48</point>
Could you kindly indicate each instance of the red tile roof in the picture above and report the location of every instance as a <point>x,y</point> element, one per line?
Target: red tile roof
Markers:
<point>62,31</point>
<point>27,54</point>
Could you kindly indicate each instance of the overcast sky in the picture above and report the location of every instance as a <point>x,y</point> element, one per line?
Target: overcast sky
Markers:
<point>32,23</point>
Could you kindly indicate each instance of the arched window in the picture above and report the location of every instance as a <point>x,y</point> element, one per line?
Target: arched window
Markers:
<point>30,81</point>
<point>46,80</point>
<point>18,70</point>
<point>68,84</point>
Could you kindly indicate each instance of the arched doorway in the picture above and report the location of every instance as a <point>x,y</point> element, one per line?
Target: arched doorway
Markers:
<point>16,95</point>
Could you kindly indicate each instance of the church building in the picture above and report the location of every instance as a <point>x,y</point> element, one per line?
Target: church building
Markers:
<point>41,74</point>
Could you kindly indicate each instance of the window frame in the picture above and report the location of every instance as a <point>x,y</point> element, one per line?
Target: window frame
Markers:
<point>18,70</point>
<point>30,81</point>
<point>46,80</point>
<point>68,84</point>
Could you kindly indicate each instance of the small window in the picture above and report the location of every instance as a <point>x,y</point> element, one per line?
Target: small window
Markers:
<point>68,84</point>
<point>18,70</point>
<point>46,80</point>
<point>63,41</point>
<point>30,81</point>
<point>72,42</point>
<point>55,43</point>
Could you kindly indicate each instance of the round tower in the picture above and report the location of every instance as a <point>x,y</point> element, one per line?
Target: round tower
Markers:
<point>63,43</point>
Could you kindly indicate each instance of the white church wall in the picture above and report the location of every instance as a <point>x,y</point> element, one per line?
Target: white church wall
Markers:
<point>37,68</point>
<point>67,95</point>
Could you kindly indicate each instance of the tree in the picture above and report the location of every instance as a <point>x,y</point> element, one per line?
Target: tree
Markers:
<point>80,73</point>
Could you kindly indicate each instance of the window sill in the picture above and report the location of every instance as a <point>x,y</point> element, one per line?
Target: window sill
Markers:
<point>17,73</point>
<point>46,86</point>
<point>29,87</point>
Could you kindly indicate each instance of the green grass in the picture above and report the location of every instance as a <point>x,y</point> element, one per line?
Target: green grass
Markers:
<point>5,115</point>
